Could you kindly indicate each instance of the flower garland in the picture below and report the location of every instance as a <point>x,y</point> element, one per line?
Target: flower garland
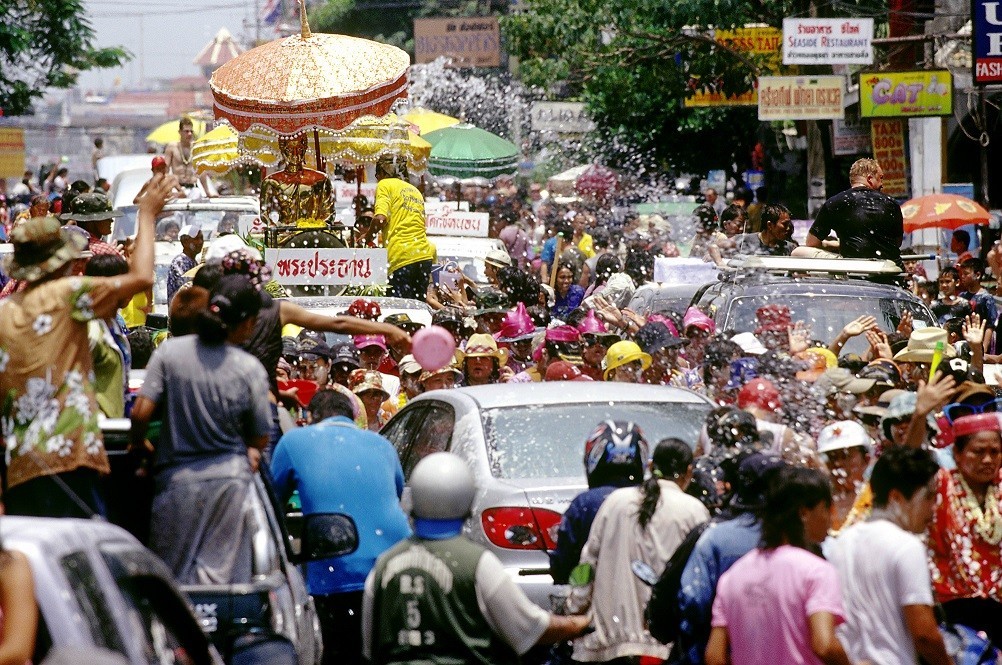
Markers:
<point>986,521</point>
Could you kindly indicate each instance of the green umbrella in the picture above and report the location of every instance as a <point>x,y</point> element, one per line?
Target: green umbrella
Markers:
<point>465,151</point>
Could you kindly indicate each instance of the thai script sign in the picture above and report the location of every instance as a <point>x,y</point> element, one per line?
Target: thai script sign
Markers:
<point>447,222</point>
<point>469,42</point>
<point>327,266</point>
<point>850,138</point>
<point>986,44</point>
<point>344,192</point>
<point>800,97</point>
<point>888,137</point>
<point>569,117</point>
<point>905,94</point>
<point>827,41</point>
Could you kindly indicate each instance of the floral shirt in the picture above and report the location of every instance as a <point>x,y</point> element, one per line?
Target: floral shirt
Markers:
<point>964,541</point>
<point>49,415</point>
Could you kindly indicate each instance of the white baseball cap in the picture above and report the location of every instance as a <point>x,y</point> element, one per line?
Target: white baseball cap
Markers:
<point>749,343</point>
<point>190,230</point>
<point>843,434</point>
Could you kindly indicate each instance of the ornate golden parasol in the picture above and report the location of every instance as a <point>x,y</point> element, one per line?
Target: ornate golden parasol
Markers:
<point>309,82</point>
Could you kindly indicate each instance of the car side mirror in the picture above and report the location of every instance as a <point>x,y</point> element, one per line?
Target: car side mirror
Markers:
<point>327,535</point>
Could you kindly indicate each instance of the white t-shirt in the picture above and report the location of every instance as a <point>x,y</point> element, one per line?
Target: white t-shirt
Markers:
<point>881,569</point>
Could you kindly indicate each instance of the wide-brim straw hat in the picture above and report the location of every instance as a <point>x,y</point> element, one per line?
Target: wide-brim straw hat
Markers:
<point>922,346</point>
<point>41,247</point>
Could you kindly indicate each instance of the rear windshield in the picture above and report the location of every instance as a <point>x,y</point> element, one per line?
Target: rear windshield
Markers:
<point>826,314</point>
<point>548,441</point>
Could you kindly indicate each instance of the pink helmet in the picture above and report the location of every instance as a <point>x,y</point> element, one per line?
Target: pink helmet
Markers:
<point>592,324</point>
<point>516,326</point>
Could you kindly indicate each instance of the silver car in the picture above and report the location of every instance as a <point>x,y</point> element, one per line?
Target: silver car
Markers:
<point>525,445</point>
<point>96,586</point>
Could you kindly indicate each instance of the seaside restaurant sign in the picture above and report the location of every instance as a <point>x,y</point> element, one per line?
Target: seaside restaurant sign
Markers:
<point>827,41</point>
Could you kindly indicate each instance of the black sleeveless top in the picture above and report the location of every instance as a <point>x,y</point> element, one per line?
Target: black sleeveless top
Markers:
<point>265,342</point>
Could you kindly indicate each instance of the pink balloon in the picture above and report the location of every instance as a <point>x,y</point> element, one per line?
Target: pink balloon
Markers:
<point>433,348</point>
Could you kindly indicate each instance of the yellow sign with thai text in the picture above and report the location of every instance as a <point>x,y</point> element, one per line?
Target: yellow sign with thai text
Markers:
<point>756,41</point>
<point>11,152</point>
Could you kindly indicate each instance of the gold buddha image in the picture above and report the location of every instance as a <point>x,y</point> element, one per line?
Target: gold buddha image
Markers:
<point>296,196</point>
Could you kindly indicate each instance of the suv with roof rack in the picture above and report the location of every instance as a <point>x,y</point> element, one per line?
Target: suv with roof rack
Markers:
<point>824,293</point>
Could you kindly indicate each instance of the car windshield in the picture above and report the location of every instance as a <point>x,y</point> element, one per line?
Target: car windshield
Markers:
<point>826,314</point>
<point>472,266</point>
<point>532,441</point>
<point>211,222</point>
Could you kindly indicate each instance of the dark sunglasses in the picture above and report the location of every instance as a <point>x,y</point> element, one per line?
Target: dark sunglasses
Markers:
<point>590,339</point>
<point>959,409</point>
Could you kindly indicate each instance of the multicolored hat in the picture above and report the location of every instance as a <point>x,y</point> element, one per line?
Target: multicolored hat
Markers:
<point>92,207</point>
<point>41,246</point>
<point>365,380</point>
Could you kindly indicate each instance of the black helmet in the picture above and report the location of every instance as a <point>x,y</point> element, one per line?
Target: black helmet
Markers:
<point>732,428</point>
<point>616,453</point>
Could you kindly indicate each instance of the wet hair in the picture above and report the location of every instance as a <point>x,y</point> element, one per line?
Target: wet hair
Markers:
<point>718,356</point>
<point>576,316</point>
<point>183,122</point>
<point>141,343</point>
<point>771,213</point>
<point>106,265</point>
<point>540,315</point>
<point>904,469</point>
<point>519,286</point>
<point>794,488</point>
<point>732,212</point>
<point>962,236</point>
<point>606,266</point>
<point>954,326</point>
<point>670,461</point>
<point>639,265</point>
<point>184,309</point>
<point>329,403</point>
<point>975,264</point>
<point>950,271</point>
<point>862,168</point>
<point>233,301</point>
<point>208,275</point>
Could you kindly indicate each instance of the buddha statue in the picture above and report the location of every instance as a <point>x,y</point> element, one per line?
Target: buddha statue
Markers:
<point>296,196</point>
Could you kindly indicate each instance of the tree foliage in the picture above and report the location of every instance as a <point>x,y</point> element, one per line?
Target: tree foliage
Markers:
<point>45,44</point>
<point>635,61</point>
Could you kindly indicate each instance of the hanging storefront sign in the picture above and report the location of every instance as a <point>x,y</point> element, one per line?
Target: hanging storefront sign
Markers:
<point>11,152</point>
<point>468,42</point>
<point>850,138</point>
<point>905,94</point>
<point>827,41</point>
<point>759,41</point>
<point>888,141</point>
<point>800,97</point>
<point>986,41</point>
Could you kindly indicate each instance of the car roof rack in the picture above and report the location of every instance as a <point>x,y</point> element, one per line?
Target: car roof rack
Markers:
<point>789,264</point>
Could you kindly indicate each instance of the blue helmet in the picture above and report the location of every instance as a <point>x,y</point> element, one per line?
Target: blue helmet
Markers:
<point>616,453</point>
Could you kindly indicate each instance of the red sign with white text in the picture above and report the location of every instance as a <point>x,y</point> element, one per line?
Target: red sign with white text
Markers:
<point>327,266</point>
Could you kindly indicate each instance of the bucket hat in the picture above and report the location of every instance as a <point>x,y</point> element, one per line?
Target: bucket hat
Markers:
<point>922,345</point>
<point>41,246</point>
<point>498,258</point>
<point>362,381</point>
<point>93,207</point>
<point>491,301</point>
<point>653,337</point>
<point>403,321</point>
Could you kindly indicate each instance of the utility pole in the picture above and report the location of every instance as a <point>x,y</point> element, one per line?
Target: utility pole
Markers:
<point>983,141</point>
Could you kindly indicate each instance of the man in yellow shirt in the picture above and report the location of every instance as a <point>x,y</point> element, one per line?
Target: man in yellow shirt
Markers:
<point>400,210</point>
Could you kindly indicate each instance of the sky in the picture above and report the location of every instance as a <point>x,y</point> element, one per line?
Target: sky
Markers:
<point>164,36</point>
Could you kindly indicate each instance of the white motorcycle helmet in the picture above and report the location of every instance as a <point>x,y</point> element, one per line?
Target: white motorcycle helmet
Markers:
<point>441,488</point>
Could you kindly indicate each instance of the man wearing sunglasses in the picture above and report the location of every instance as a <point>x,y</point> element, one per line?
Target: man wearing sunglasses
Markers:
<point>868,223</point>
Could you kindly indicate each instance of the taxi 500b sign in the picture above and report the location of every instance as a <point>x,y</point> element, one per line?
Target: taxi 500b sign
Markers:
<point>987,42</point>
<point>327,266</point>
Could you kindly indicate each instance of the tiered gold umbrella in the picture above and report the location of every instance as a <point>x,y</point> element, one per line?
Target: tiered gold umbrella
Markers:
<point>309,83</point>
<point>363,142</point>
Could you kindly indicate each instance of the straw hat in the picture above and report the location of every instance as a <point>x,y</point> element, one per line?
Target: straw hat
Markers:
<point>41,247</point>
<point>482,345</point>
<point>922,345</point>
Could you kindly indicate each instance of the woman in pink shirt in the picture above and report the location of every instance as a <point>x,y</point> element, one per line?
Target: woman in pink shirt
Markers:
<point>780,603</point>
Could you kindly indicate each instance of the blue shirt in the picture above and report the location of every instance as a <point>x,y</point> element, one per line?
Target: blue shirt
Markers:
<point>572,534</point>
<point>716,551</point>
<point>549,251</point>
<point>339,468</point>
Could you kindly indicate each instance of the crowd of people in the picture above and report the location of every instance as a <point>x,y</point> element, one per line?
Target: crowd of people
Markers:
<point>832,501</point>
